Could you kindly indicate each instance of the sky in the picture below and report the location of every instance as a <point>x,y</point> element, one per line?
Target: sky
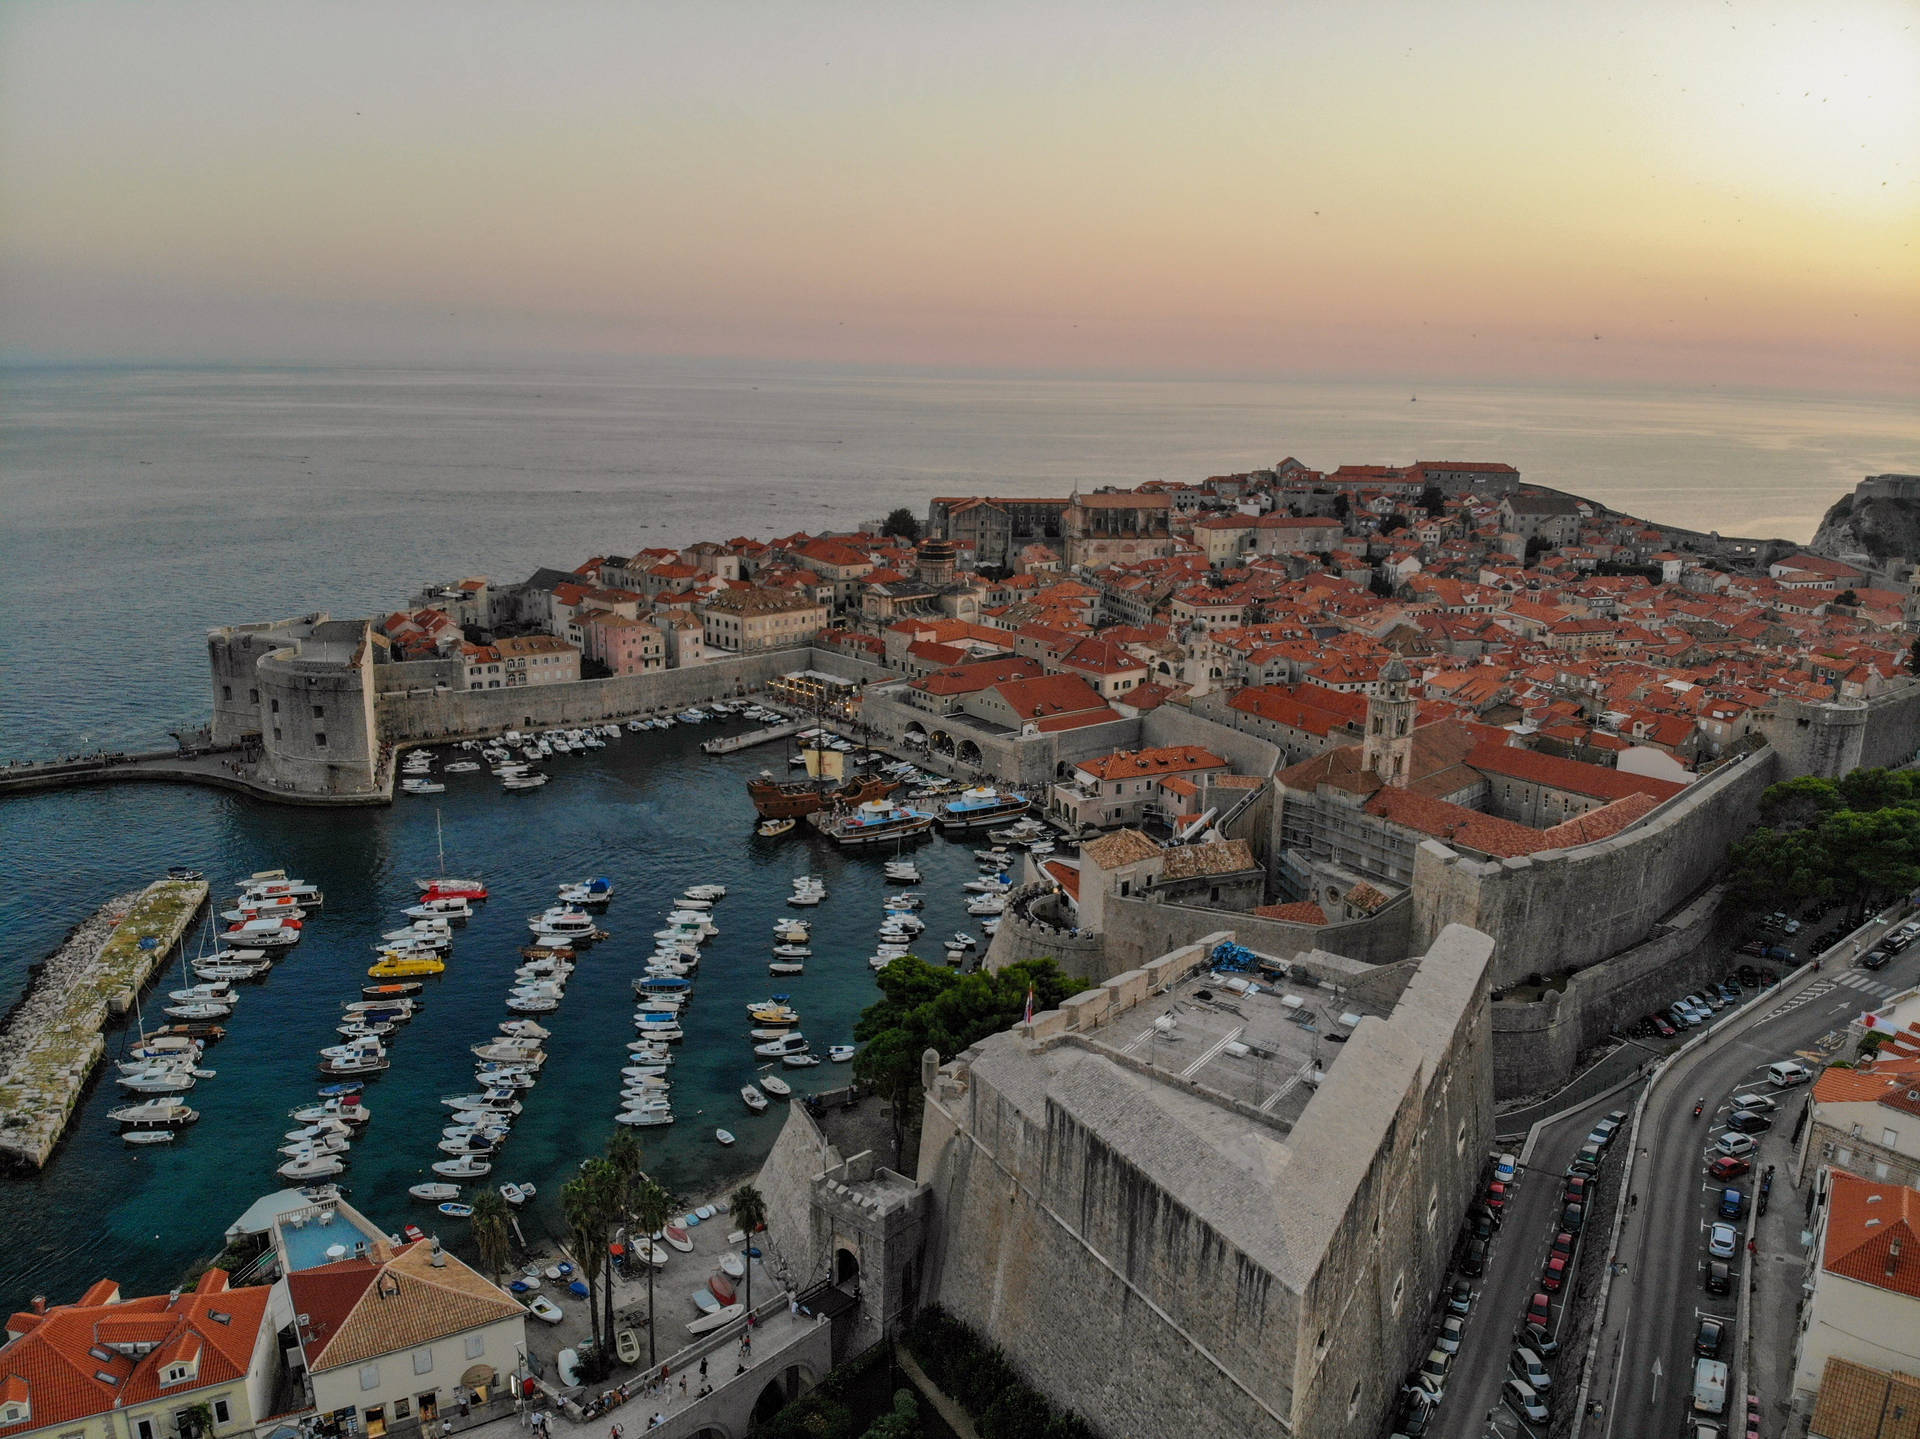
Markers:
<point>1694,192</point>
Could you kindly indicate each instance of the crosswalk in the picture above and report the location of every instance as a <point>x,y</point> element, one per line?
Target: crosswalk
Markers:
<point>1852,979</point>
<point>1856,980</point>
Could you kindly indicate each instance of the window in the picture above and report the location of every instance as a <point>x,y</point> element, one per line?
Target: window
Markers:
<point>276,706</point>
<point>143,1429</point>
<point>476,1345</point>
<point>221,1413</point>
<point>276,731</point>
<point>319,741</point>
<point>253,697</point>
<point>423,1361</point>
<point>369,1376</point>
<point>1889,1138</point>
<point>402,1408</point>
<point>226,692</point>
<point>319,711</point>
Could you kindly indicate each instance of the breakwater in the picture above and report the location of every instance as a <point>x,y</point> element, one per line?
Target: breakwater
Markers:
<point>51,1041</point>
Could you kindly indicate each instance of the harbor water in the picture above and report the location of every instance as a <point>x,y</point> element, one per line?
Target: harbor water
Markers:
<point>650,811</point>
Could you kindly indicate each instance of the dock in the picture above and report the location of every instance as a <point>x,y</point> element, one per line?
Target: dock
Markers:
<point>734,743</point>
<point>52,1040</point>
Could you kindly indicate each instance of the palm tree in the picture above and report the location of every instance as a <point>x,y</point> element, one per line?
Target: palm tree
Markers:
<point>623,1176</point>
<point>652,1208</point>
<point>490,1231</point>
<point>583,1204</point>
<point>750,1212</point>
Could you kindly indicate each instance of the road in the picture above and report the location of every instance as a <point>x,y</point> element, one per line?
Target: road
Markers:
<point>1658,1300</point>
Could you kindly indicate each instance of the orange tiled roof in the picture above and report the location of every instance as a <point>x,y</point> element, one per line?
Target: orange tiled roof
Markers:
<point>1873,1233</point>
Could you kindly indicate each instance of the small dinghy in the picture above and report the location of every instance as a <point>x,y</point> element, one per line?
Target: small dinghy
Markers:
<point>456,1211</point>
<point>148,1136</point>
<point>434,1192</point>
<point>718,1319</point>
<point>725,1136</point>
<point>776,1086</point>
<point>678,1237</point>
<point>732,1265</point>
<point>545,1309</point>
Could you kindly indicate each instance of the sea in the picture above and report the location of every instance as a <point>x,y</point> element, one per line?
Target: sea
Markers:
<point>142,505</point>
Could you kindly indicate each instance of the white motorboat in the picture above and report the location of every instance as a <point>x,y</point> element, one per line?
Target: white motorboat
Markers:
<point>516,1194</point>
<point>463,766</point>
<point>562,921</point>
<point>784,1045</point>
<point>693,906</point>
<point>532,1004</point>
<point>318,1166</point>
<point>154,1114</point>
<point>422,786</point>
<point>157,1081</point>
<point>147,1136</point>
<point>644,1118</point>
<point>725,1136</point>
<point>434,1193</point>
<point>451,908</point>
<point>987,904</point>
<point>467,1166</point>
<point>706,891</point>
<point>219,969</point>
<point>523,1029</point>
<point>753,1099</point>
<point>799,1060</point>
<point>987,884</point>
<point>840,1053</point>
<point>903,871</point>
<point>719,1319</point>
<point>199,1011</point>
<point>964,940</point>
<point>776,1086</point>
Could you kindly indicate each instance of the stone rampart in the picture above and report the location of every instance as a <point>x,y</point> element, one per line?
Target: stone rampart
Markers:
<point>1036,925</point>
<point>1136,929</point>
<point>799,1155</point>
<point>1562,910</point>
<point>1536,1043</point>
<point>1172,725</point>
<point>1892,737</point>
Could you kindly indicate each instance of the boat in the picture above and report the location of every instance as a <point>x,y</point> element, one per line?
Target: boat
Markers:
<point>719,1319</point>
<point>753,1098</point>
<point>167,1080</point>
<point>404,989</point>
<point>840,1053</point>
<point>315,1166</point>
<point>154,1114</point>
<point>455,1210</point>
<point>724,1136</point>
<point>230,970</point>
<point>463,766</point>
<point>644,1118</point>
<point>721,1288</point>
<point>415,785</point>
<point>786,1044</point>
<point>799,1059</point>
<point>626,1344</point>
<point>732,1265</point>
<point>877,821</point>
<point>678,1237</point>
<point>705,1301</point>
<point>203,1009</point>
<point>147,1136</point>
<point>266,933</point>
<point>773,799</point>
<point>466,1166</point>
<point>774,828</point>
<point>786,968</point>
<point>516,1194</point>
<point>903,871</point>
<point>776,1086</point>
<point>394,965</point>
<point>434,1192</point>
<point>545,1310</point>
<point>454,909</point>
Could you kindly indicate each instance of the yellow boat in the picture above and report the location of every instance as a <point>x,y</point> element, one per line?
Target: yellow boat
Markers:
<point>773,1014</point>
<point>404,966</point>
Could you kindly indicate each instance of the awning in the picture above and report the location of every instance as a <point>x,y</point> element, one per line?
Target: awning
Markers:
<point>478,1376</point>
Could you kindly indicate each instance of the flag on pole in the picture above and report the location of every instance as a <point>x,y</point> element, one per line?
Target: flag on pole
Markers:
<point>1029,1006</point>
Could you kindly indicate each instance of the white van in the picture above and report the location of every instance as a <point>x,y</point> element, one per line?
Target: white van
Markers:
<point>1788,1072</point>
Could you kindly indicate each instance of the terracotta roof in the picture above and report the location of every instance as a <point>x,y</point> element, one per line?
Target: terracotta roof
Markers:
<point>1045,695</point>
<point>1131,764</point>
<point>64,1380</point>
<point>1571,775</point>
<point>1300,911</point>
<point>980,675</point>
<point>1859,1402</point>
<point>1067,876</point>
<point>404,1303</point>
<point>1873,1233</point>
<point>1202,861</point>
<point>1123,846</point>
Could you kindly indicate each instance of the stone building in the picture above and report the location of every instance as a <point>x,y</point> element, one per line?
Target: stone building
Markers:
<point>995,528</point>
<point>1250,1244</point>
<point>1111,527</point>
<point>744,620</point>
<point>302,691</point>
<point>1551,519</point>
<point>1865,1119</point>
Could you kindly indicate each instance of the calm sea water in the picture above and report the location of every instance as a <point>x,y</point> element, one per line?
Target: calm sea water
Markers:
<point>139,507</point>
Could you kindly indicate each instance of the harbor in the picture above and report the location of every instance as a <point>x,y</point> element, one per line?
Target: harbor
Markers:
<point>649,811</point>
<point>53,1038</point>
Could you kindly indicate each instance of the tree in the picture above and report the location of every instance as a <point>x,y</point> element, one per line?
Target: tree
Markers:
<point>625,1177</point>
<point>1846,597</point>
<point>1393,523</point>
<point>1913,658</point>
<point>1342,506</point>
<point>901,524</point>
<point>749,1208</point>
<point>588,1204</point>
<point>924,1007</point>
<point>490,1232</point>
<point>652,1208</point>
<point>1849,839</point>
<point>901,1422</point>
<point>1433,501</point>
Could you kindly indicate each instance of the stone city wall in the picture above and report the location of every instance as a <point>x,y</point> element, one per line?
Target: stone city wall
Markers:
<point>1563,910</point>
<point>1892,736</point>
<point>1537,1043</point>
<point>1137,929</point>
<point>1035,925</point>
<point>1172,725</point>
<point>798,1157</point>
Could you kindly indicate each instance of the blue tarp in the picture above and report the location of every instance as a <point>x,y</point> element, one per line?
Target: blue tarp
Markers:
<point>1230,956</point>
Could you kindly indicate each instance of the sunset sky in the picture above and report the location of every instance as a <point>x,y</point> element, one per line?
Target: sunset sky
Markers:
<point>1712,193</point>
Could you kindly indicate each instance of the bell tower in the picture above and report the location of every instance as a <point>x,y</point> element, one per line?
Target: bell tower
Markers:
<point>1388,750</point>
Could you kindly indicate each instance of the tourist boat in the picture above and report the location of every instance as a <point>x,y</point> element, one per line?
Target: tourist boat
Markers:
<point>784,1045</point>
<point>266,933</point>
<point>467,1166</point>
<point>560,921</point>
<point>454,1209</point>
<point>876,821</point>
<point>434,1192</point>
<point>776,1086</point>
<point>799,1060</point>
<point>719,1319</point>
<point>147,1136</point>
<point>774,828</point>
<point>395,965</point>
<point>773,799</point>
<point>317,1166</point>
<point>840,1053</point>
<point>753,1098</point>
<point>154,1114</point>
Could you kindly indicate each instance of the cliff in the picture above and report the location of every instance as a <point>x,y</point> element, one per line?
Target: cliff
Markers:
<point>1880,518</point>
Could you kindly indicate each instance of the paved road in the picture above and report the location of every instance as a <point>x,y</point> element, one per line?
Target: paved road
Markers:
<point>1645,1355</point>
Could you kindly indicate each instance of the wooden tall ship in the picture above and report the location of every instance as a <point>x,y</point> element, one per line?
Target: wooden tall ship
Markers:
<point>826,786</point>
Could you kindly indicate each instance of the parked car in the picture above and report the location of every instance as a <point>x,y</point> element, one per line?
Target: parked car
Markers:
<point>1540,1310</point>
<point>1791,927</point>
<point>1526,1365</point>
<point>1496,1196</point>
<point>1573,1216</point>
<point>1563,1245</point>
<point>1723,1241</point>
<point>1733,1203</point>
<point>1579,1188</point>
<point>1708,1338</point>
<point>1875,958</point>
<point>1748,1121</point>
<point>1536,1338</point>
<point>1460,1298</point>
<point>1525,1401</point>
<point>1727,1166</point>
<point>1587,1161</point>
<point>1682,1018</point>
<point>1481,1222</point>
<point>1505,1169</point>
<point>1473,1258</point>
<point>1785,1073</point>
<point>1603,1132</point>
<point>1758,1103</point>
<point>1719,1277</point>
<point>1662,1026</point>
<point>1452,1329</point>
<point>1554,1277</point>
<point>1734,1143</point>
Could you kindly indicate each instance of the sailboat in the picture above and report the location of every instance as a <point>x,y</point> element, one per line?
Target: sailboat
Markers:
<point>774,800</point>
<point>443,885</point>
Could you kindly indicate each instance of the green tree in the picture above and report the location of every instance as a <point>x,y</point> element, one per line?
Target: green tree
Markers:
<point>1433,501</point>
<point>1846,597</point>
<point>902,1422</point>
<point>588,1203</point>
<point>749,1209</point>
<point>1342,505</point>
<point>652,1208</point>
<point>924,1006</point>
<point>1836,840</point>
<point>491,1232</point>
<point>901,524</point>
<point>1797,803</point>
<point>1393,523</point>
<point>624,1178</point>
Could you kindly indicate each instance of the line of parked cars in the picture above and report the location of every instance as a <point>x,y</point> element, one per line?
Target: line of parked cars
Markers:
<point>1890,944</point>
<point>1692,1010</point>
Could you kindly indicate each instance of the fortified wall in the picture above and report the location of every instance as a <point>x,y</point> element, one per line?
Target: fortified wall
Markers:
<point>1168,1261</point>
<point>1562,910</point>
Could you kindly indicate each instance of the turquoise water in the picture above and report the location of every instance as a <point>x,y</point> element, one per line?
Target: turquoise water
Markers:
<point>650,811</point>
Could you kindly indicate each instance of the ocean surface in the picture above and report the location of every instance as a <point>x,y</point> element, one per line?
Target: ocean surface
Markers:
<point>141,506</point>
